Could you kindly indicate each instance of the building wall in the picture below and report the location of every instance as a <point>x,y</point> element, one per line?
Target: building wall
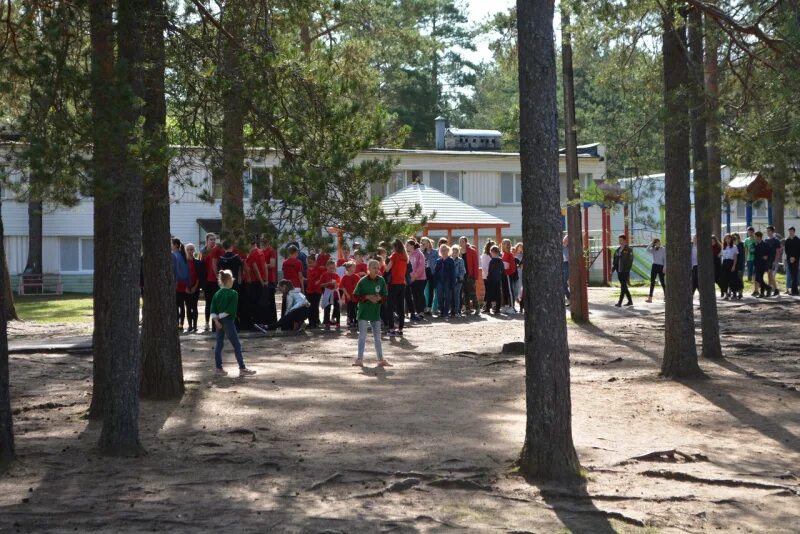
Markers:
<point>480,186</point>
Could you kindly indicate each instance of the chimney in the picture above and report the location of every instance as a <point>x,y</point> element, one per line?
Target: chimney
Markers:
<point>441,125</point>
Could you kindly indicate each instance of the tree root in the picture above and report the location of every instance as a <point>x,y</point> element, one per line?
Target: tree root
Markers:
<point>458,483</point>
<point>685,477</point>
<point>670,456</point>
<point>316,485</point>
<point>395,487</point>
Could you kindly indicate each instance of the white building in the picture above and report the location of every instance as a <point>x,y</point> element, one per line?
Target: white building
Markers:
<point>487,180</point>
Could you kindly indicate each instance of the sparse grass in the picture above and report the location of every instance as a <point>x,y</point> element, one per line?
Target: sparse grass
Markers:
<point>68,308</point>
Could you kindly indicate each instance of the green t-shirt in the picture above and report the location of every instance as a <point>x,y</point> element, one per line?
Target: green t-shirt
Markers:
<point>225,300</point>
<point>370,311</point>
<point>750,247</point>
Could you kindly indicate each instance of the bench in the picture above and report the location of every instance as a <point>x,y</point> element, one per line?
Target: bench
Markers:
<point>41,284</point>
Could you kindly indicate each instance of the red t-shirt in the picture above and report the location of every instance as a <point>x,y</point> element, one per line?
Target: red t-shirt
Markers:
<point>255,263</point>
<point>269,254</point>
<point>329,277</point>
<point>349,283</point>
<point>192,273</point>
<point>361,267</point>
<point>292,269</point>
<point>341,261</point>
<point>508,257</point>
<point>312,282</point>
<point>322,259</point>
<point>399,267</point>
<point>215,254</point>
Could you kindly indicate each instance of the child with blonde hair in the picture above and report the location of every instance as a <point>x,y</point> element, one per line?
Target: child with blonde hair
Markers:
<point>371,291</point>
<point>223,312</point>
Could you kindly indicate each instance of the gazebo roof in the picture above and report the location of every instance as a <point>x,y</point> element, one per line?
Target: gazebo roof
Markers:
<point>749,185</point>
<point>449,212</point>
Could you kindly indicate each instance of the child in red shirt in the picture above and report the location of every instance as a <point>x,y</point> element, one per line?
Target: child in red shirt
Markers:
<point>361,265</point>
<point>329,282</point>
<point>313,290</point>
<point>293,268</point>
<point>349,282</point>
<point>508,276</point>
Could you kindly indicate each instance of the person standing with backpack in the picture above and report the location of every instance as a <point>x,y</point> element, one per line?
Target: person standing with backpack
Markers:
<point>181,270</point>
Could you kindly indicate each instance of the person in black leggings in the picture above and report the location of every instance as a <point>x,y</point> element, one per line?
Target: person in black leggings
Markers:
<point>397,266</point>
<point>193,291</point>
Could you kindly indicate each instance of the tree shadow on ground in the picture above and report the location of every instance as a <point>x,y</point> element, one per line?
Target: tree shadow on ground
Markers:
<point>716,391</point>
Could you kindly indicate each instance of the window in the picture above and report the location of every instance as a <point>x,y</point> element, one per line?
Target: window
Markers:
<point>216,182</point>
<point>447,182</point>
<point>397,181</point>
<point>585,181</point>
<point>76,254</point>
<point>510,188</point>
<point>759,209</point>
<point>260,182</point>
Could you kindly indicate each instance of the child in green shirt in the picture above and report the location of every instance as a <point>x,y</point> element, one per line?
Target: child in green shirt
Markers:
<point>371,291</point>
<point>223,312</point>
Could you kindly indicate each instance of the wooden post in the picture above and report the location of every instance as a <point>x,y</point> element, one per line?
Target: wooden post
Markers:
<point>476,240</point>
<point>449,236</point>
<point>499,235</point>
<point>603,239</point>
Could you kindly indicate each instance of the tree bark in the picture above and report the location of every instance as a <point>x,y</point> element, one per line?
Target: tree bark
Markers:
<point>162,369</point>
<point>103,131</point>
<point>119,435</point>
<point>712,128</point>
<point>578,298</point>
<point>705,188</point>
<point>680,351</point>
<point>779,174</point>
<point>34,263</point>
<point>6,420</point>
<point>548,452</point>
<point>233,109</point>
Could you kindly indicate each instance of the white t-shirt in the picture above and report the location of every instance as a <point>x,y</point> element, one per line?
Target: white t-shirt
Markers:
<point>729,253</point>
<point>485,259</point>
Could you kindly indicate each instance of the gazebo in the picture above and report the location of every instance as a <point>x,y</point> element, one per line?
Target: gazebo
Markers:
<point>747,186</point>
<point>443,213</point>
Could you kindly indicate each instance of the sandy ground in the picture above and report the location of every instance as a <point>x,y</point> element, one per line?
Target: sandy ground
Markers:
<point>311,444</point>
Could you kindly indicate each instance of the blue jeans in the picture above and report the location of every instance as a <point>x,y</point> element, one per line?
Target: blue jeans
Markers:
<point>445,296</point>
<point>788,276</point>
<point>363,326</point>
<point>750,269</point>
<point>457,298</point>
<point>228,329</point>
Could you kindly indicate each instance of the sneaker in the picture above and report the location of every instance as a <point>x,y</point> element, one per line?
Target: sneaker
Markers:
<point>220,372</point>
<point>618,304</point>
<point>358,362</point>
<point>244,371</point>
<point>726,297</point>
<point>207,328</point>
<point>262,328</point>
<point>754,294</point>
<point>649,299</point>
<point>629,303</point>
<point>384,363</point>
<point>775,293</point>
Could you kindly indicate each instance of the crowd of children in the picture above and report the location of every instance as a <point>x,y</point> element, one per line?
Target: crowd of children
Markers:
<point>379,291</point>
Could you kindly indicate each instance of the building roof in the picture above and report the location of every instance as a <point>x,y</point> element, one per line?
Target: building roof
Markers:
<point>466,132</point>
<point>441,209</point>
<point>594,150</point>
<point>742,180</point>
<point>460,153</point>
<point>749,186</point>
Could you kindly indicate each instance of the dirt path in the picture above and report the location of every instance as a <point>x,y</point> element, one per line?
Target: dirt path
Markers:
<point>313,445</point>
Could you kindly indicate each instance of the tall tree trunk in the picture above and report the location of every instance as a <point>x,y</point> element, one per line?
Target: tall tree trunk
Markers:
<point>779,174</point>
<point>34,263</point>
<point>6,421</point>
<point>119,435</point>
<point>233,104</point>
<point>579,305</point>
<point>548,451</point>
<point>104,129</point>
<point>704,190</point>
<point>680,351</point>
<point>162,369</point>
<point>712,127</point>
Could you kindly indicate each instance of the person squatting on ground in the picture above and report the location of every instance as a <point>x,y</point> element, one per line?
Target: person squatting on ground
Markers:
<point>659,266</point>
<point>296,306</point>
<point>370,292</point>
<point>623,261</point>
<point>223,311</point>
